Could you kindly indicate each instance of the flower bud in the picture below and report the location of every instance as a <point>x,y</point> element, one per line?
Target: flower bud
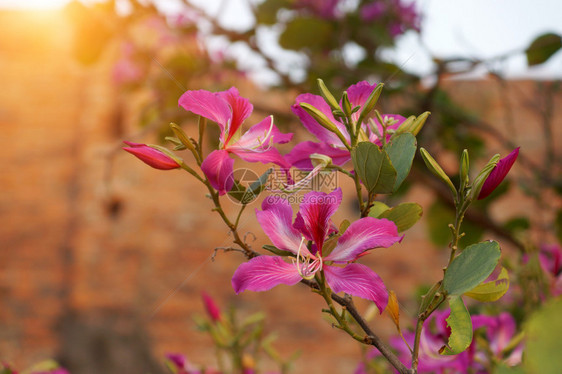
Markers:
<point>211,307</point>
<point>151,156</point>
<point>497,174</point>
<point>327,95</point>
<point>434,167</point>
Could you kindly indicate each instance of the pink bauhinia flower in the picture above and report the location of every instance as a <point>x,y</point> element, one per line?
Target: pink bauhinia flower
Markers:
<point>499,331</point>
<point>151,156</point>
<point>498,174</point>
<point>313,223</point>
<point>330,144</point>
<point>229,110</point>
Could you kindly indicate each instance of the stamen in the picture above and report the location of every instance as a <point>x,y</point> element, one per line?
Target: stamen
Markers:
<point>307,269</point>
<point>303,182</point>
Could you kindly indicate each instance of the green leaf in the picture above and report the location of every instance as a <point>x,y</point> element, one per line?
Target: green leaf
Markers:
<point>401,151</point>
<point>374,168</point>
<point>306,32</point>
<point>471,267</point>
<point>377,209</point>
<point>404,215</point>
<point>542,48</point>
<point>504,369</point>
<point>461,328</point>
<point>492,290</point>
<point>542,342</point>
<point>276,251</point>
<point>266,12</point>
<point>247,195</point>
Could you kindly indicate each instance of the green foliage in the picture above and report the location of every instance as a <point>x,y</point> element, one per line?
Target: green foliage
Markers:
<point>542,48</point>
<point>266,12</point>
<point>247,195</point>
<point>492,290</point>
<point>306,32</point>
<point>542,330</point>
<point>471,267</point>
<point>461,328</point>
<point>404,215</point>
<point>401,151</point>
<point>374,168</point>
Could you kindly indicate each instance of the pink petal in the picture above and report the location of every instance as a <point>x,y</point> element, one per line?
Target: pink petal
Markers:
<point>150,156</point>
<point>498,174</point>
<point>275,220</point>
<point>316,210</point>
<point>374,138</point>
<point>357,280</point>
<point>209,105</point>
<point>262,136</point>
<point>218,168</point>
<point>362,235</point>
<point>299,156</point>
<point>262,273</point>
<point>241,109</point>
<point>310,123</point>
<point>358,94</point>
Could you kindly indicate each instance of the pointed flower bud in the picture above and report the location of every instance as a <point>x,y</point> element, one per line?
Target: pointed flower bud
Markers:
<point>498,174</point>
<point>211,307</point>
<point>437,170</point>
<point>151,156</point>
<point>327,95</point>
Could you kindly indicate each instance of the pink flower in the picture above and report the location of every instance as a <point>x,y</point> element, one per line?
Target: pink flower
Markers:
<point>151,156</point>
<point>313,223</point>
<point>498,332</point>
<point>498,174</point>
<point>330,145</point>
<point>211,307</point>
<point>229,110</point>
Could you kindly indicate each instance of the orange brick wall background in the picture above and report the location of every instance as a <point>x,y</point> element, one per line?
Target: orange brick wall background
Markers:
<point>102,259</point>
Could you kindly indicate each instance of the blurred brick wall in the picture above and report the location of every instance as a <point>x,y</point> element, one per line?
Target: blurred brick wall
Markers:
<point>102,254</point>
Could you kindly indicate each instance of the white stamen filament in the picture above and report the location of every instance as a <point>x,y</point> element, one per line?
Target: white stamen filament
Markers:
<point>303,182</point>
<point>307,269</point>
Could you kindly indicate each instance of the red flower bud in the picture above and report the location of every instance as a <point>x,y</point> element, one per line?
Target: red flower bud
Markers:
<point>150,156</point>
<point>498,174</point>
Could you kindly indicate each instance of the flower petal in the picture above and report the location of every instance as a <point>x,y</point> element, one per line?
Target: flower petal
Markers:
<point>357,280</point>
<point>498,174</point>
<point>299,156</point>
<point>314,127</point>
<point>150,156</point>
<point>241,109</point>
<point>262,136</point>
<point>209,105</point>
<point>218,168</point>
<point>262,273</point>
<point>316,210</point>
<point>275,220</point>
<point>362,235</point>
<point>358,94</point>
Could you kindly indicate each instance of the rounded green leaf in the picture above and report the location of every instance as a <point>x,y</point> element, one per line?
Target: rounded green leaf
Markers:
<point>377,209</point>
<point>471,267</point>
<point>306,32</point>
<point>404,215</point>
<point>401,151</point>
<point>374,168</point>
<point>542,339</point>
<point>542,48</point>
<point>492,290</point>
<point>461,328</point>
